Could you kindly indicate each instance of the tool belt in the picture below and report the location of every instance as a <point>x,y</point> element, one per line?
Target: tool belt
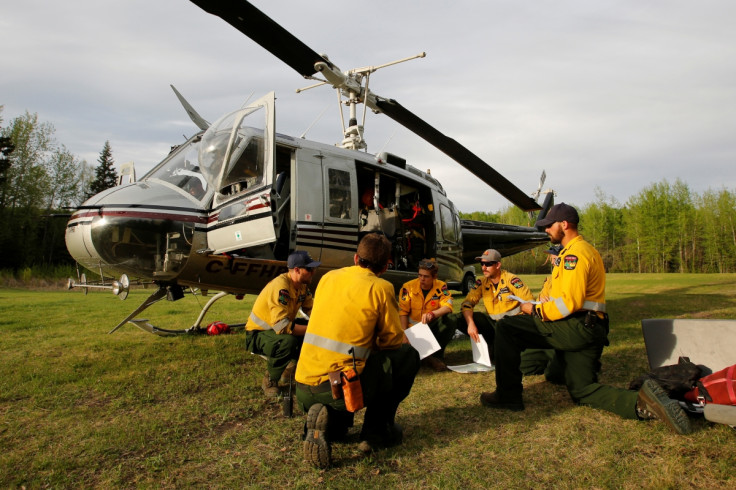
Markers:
<point>591,319</point>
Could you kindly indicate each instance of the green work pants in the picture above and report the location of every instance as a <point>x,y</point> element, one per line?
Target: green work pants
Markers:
<point>386,380</point>
<point>578,351</point>
<point>278,348</point>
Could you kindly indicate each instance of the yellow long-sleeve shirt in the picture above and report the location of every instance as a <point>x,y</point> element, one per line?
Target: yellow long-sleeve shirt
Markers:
<point>496,298</point>
<point>278,304</point>
<point>414,304</point>
<point>353,309</point>
<point>578,282</point>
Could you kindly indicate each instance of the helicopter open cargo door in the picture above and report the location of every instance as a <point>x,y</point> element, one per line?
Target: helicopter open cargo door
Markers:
<point>244,143</point>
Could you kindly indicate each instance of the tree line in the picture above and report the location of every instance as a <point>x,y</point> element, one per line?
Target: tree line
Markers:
<point>41,181</point>
<point>664,228</point>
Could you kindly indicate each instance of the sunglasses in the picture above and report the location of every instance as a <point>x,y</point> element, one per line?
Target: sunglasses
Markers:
<point>308,269</point>
<point>488,264</point>
<point>426,264</point>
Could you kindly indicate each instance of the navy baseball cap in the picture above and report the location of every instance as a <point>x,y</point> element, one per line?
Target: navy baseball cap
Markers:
<point>301,258</point>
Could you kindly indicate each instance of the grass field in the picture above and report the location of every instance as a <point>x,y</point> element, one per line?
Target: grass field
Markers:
<point>80,408</point>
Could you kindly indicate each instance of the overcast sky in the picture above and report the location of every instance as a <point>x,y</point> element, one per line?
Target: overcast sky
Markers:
<point>609,94</point>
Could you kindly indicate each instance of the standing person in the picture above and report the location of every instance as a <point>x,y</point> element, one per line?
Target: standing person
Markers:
<point>271,329</point>
<point>572,320</point>
<point>426,299</point>
<point>495,289</point>
<point>355,325</point>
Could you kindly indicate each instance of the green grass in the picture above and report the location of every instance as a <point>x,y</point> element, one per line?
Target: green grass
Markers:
<point>79,407</point>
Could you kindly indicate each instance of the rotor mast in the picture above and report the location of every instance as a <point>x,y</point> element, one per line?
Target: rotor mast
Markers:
<point>350,85</point>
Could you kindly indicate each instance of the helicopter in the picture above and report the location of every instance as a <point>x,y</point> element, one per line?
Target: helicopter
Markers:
<point>223,210</point>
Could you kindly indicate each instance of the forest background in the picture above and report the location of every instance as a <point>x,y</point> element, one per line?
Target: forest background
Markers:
<point>665,227</point>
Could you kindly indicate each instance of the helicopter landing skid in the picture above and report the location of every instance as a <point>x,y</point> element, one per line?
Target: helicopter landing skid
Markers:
<point>158,295</point>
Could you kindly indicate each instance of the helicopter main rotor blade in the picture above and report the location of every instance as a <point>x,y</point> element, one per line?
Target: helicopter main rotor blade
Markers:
<point>457,152</point>
<point>265,31</point>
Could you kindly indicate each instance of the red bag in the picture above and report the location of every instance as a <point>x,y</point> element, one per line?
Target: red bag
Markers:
<point>719,388</point>
<point>216,328</point>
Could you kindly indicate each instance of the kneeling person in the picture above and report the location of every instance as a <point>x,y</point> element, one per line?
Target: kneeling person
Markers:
<point>355,324</point>
<point>426,299</point>
<point>271,330</point>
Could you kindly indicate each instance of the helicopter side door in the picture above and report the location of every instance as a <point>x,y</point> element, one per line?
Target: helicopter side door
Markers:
<point>242,217</point>
<point>326,207</point>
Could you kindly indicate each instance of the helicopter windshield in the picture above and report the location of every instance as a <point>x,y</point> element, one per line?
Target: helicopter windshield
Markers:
<point>182,170</point>
<point>232,153</point>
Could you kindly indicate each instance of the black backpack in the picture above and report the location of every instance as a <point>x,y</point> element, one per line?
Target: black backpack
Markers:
<point>676,379</point>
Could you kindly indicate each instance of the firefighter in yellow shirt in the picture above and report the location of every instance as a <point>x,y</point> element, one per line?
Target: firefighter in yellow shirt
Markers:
<point>355,324</point>
<point>271,329</point>
<point>495,289</point>
<point>572,320</point>
<point>426,299</point>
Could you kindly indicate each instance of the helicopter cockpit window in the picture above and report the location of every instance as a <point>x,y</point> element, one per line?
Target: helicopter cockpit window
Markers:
<point>182,170</point>
<point>340,202</point>
<point>247,168</point>
<point>232,154</point>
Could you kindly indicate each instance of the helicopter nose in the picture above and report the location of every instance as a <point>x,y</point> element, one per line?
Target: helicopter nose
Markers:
<point>143,230</point>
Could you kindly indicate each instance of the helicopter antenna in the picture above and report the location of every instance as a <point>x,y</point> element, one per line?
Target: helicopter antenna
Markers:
<point>387,142</point>
<point>246,100</point>
<point>304,134</point>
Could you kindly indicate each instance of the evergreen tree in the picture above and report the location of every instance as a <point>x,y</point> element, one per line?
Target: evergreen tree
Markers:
<point>105,174</point>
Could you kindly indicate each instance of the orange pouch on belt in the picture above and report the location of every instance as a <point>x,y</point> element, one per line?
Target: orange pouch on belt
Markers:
<point>352,391</point>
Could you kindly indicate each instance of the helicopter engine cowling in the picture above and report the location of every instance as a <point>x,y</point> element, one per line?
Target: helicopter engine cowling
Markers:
<point>144,229</point>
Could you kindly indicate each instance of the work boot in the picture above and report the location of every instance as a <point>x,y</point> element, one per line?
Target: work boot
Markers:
<point>270,388</point>
<point>393,435</point>
<point>316,445</point>
<point>288,375</point>
<point>435,363</point>
<point>492,400</point>
<point>653,403</point>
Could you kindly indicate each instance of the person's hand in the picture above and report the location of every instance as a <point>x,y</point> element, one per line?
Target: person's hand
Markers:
<point>428,317</point>
<point>527,308</point>
<point>473,333</point>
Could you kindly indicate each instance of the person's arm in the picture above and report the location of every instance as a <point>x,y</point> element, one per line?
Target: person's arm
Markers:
<point>472,329</point>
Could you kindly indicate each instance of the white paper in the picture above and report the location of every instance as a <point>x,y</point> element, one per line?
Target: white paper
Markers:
<point>421,338</point>
<point>481,359</point>
<point>511,296</point>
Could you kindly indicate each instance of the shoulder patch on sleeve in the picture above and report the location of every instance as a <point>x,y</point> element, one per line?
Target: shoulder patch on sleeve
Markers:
<point>517,283</point>
<point>571,261</point>
<point>284,297</point>
<point>445,291</point>
<point>477,284</point>
<point>404,294</point>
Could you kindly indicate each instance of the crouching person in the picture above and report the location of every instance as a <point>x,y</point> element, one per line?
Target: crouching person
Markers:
<point>426,299</point>
<point>354,326</point>
<point>272,330</point>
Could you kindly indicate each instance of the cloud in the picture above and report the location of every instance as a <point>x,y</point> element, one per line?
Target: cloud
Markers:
<point>614,95</point>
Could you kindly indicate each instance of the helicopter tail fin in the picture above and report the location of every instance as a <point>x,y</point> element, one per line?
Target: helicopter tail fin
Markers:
<point>193,115</point>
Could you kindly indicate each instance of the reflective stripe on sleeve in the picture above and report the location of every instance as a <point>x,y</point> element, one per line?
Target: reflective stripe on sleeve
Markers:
<point>560,304</point>
<point>259,322</point>
<point>593,306</point>
<point>336,345</point>
<point>498,316</point>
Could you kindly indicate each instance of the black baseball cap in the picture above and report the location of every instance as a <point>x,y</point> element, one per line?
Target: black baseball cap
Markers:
<point>559,212</point>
